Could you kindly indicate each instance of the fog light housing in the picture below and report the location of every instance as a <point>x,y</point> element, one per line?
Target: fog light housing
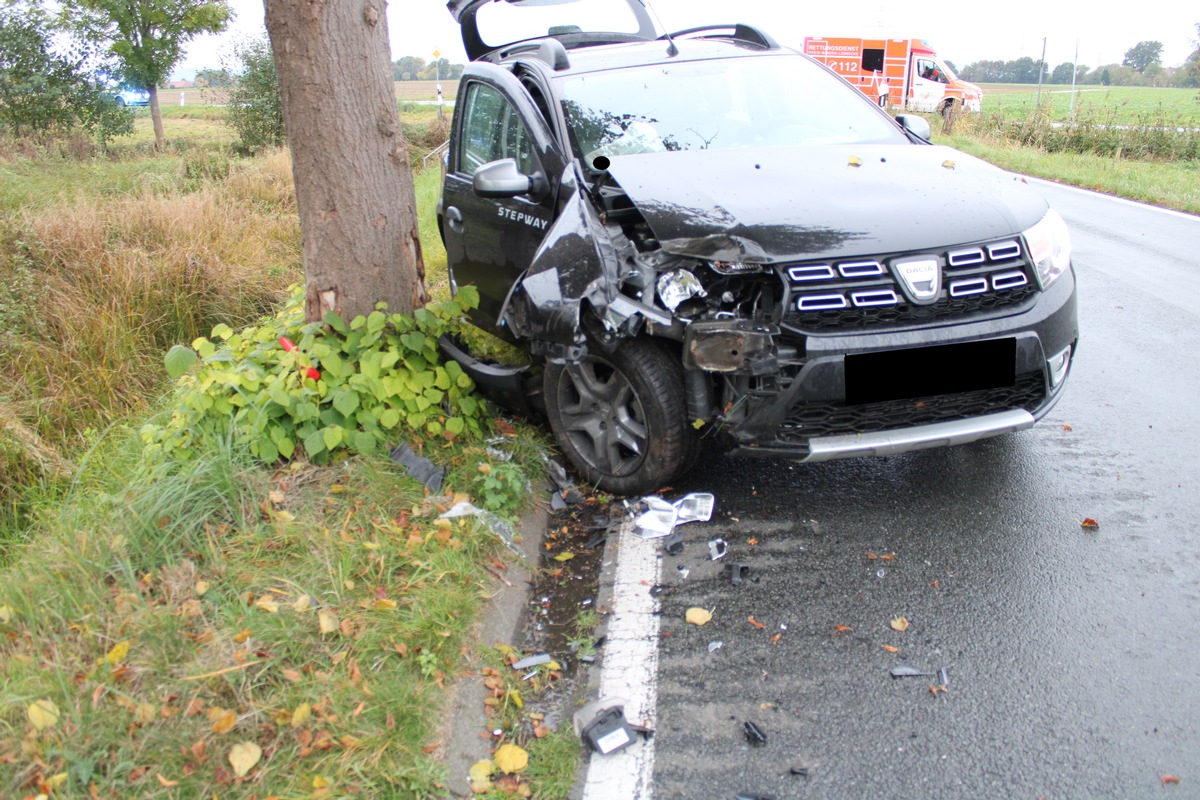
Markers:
<point>1057,366</point>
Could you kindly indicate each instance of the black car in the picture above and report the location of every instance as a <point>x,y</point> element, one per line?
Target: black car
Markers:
<point>705,238</point>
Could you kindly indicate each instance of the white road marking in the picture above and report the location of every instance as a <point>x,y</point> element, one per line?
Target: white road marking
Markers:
<point>630,668</point>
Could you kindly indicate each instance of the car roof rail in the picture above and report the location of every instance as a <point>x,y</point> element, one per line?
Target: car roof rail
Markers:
<point>553,53</point>
<point>741,33</point>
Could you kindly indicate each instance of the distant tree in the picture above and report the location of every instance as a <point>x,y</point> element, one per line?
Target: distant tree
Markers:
<point>146,36</point>
<point>1190,71</point>
<point>953,67</point>
<point>407,68</point>
<point>1062,73</point>
<point>255,110</point>
<point>43,90</point>
<point>1106,77</point>
<point>214,78</point>
<point>1142,55</point>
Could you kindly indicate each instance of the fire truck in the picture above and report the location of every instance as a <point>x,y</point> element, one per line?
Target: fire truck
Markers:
<point>899,73</point>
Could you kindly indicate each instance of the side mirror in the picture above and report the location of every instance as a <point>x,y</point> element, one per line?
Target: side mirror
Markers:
<point>502,179</point>
<point>916,125</point>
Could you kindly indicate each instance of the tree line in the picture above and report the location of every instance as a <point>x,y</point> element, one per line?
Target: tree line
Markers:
<point>1141,66</point>
<point>411,68</point>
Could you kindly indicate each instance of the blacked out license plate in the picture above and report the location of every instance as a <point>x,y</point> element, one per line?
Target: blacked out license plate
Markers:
<point>930,371</point>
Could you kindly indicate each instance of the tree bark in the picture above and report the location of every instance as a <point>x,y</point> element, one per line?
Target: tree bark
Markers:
<point>354,187</point>
<point>160,136</point>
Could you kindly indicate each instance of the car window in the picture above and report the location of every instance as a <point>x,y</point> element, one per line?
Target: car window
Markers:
<point>492,130</point>
<point>758,101</point>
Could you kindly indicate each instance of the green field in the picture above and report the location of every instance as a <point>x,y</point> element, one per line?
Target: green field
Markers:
<point>1121,105</point>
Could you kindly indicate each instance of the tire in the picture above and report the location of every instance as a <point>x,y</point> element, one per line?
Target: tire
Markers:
<point>621,419</point>
<point>947,109</point>
<point>121,102</point>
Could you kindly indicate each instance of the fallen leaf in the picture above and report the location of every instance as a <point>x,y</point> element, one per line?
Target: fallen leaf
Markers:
<point>775,639</point>
<point>1067,428</point>
<point>698,616</point>
<point>292,675</point>
<point>201,588</point>
<point>166,784</point>
<point>541,731</point>
<point>510,758</point>
<point>302,604</point>
<point>900,624</point>
<point>222,720</point>
<point>890,649</point>
<point>756,623</point>
<point>842,628</point>
<point>54,781</point>
<point>243,757</point>
<point>267,604</point>
<point>1088,522</point>
<point>42,714</point>
<point>145,713</point>
<point>327,620</point>
<point>242,636</point>
<point>752,542</point>
<point>480,775</point>
<point>1169,779</point>
<point>565,556</point>
<point>936,689</point>
<point>301,715</point>
<point>854,161</point>
<point>6,614</point>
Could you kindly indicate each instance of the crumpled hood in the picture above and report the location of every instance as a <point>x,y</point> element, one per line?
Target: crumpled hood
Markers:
<point>798,203</point>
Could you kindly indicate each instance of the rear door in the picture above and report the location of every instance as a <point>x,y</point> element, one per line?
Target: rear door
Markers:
<point>491,241</point>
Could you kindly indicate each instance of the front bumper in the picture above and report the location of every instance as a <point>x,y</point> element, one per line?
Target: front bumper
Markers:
<point>809,418</point>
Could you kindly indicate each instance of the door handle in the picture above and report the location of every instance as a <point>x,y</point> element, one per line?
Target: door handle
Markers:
<point>454,219</point>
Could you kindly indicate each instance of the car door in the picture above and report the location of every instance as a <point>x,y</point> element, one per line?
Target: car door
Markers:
<point>491,241</point>
<point>928,85</point>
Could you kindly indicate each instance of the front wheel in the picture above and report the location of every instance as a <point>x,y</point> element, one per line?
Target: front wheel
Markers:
<point>621,419</point>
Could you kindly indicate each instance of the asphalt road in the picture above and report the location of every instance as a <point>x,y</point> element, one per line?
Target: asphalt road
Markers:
<point>1073,655</point>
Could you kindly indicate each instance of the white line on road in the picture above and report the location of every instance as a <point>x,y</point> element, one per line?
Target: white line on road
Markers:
<point>630,669</point>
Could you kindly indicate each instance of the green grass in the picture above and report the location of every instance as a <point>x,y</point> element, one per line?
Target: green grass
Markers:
<point>1128,105</point>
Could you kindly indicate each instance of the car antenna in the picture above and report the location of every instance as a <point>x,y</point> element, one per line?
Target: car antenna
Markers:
<point>672,50</point>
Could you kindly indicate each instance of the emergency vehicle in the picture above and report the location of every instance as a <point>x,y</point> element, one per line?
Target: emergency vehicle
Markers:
<point>902,73</point>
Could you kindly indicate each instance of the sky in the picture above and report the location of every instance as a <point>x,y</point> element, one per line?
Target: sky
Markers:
<point>961,33</point>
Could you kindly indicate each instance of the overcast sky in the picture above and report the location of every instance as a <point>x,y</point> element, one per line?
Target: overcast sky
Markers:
<point>962,33</point>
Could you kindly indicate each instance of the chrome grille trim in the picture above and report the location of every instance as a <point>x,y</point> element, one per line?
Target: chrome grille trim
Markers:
<point>861,269</point>
<point>1009,280</point>
<point>822,302</point>
<point>875,298</point>
<point>1002,251</point>
<point>968,287</point>
<point>965,258</point>
<point>815,272</point>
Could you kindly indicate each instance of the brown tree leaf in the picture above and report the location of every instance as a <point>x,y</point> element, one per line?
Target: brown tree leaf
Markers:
<point>900,624</point>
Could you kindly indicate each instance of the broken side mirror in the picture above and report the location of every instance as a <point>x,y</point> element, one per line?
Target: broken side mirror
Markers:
<point>501,179</point>
<point>916,125</point>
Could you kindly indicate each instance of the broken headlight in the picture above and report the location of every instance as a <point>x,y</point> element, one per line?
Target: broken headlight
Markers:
<point>1050,247</point>
<point>678,285</point>
<point>734,267</point>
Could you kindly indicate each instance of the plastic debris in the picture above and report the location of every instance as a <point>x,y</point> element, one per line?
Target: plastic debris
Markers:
<point>717,549</point>
<point>674,543</point>
<point>658,590</point>
<point>754,734</point>
<point>910,672</point>
<point>801,771</point>
<point>662,516</point>
<point>602,726</point>
<point>744,796</point>
<point>737,572</point>
<point>494,523</point>
<point>943,678</point>
<point>532,661</point>
<point>683,572</point>
<point>419,467</point>
<point>566,490</point>
<point>715,646</point>
<point>557,503</point>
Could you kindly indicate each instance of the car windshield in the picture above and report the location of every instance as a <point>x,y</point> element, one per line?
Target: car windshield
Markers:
<point>761,101</point>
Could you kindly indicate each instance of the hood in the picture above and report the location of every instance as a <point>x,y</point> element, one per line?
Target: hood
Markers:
<point>800,203</point>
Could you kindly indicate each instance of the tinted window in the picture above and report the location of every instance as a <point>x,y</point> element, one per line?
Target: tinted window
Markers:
<point>491,131</point>
<point>759,101</point>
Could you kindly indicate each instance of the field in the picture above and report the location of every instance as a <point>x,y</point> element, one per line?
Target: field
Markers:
<point>1119,105</point>
<point>405,90</point>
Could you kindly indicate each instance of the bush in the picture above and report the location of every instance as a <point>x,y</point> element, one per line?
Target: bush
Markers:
<point>255,110</point>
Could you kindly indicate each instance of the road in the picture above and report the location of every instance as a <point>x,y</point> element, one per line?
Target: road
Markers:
<point>1071,654</point>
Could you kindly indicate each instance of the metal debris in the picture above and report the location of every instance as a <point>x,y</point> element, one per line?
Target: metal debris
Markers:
<point>532,661</point>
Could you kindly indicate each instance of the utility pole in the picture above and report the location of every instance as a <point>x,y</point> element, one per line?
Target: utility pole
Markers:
<point>1041,70</point>
<point>1074,73</point>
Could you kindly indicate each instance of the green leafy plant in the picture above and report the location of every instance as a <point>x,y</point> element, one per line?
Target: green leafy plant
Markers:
<point>286,385</point>
<point>501,488</point>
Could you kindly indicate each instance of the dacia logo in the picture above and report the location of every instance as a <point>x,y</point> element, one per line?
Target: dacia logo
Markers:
<point>920,277</point>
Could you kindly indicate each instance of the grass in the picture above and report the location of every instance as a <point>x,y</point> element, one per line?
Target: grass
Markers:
<point>1124,104</point>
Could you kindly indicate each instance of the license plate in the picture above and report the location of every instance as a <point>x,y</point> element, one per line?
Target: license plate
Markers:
<point>930,371</point>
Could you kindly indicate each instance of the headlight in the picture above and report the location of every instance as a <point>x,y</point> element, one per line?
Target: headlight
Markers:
<point>1050,247</point>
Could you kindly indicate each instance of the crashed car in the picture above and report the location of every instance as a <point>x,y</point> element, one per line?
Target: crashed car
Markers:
<point>707,239</point>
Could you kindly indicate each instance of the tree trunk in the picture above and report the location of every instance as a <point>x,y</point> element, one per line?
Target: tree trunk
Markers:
<point>160,137</point>
<point>354,187</point>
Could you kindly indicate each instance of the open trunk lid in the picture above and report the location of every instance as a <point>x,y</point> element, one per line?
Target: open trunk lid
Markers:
<point>489,26</point>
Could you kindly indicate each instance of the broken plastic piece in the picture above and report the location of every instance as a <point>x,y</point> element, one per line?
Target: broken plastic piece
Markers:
<point>602,726</point>
<point>556,502</point>
<point>717,549</point>
<point>909,672</point>
<point>674,544</point>
<point>943,678</point>
<point>744,796</point>
<point>695,507</point>
<point>715,646</point>
<point>494,523</point>
<point>801,771</point>
<point>661,517</point>
<point>737,572</point>
<point>419,467</point>
<point>754,734</point>
<point>658,590</point>
<point>532,661</point>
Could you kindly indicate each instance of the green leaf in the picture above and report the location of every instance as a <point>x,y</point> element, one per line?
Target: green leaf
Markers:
<point>468,296</point>
<point>455,425</point>
<point>390,418</point>
<point>222,331</point>
<point>267,451</point>
<point>364,442</point>
<point>286,447</point>
<point>346,401</point>
<point>204,347</point>
<point>375,321</point>
<point>314,444</point>
<point>332,437</point>
<point>179,360</point>
<point>335,321</point>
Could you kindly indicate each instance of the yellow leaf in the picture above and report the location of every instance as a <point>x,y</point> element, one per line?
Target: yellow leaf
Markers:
<point>145,713</point>
<point>481,776</point>
<point>118,653</point>
<point>301,715</point>
<point>515,696</point>
<point>222,720</point>
<point>383,604</point>
<point>242,636</point>
<point>564,556</point>
<point>167,784</point>
<point>948,164</point>
<point>509,758</point>
<point>54,781</point>
<point>6,614</point>
<point>900,624</point>
<point>698,616</point>
<point>855,161</point>
<point>890,649</point>
<point>201,588</point>
<point>302,604</point>
<point>698,423</point>
<point>267,604</point>
<point>320,782</point>
<point>328,620</point>
<point>243,757</point>
<point>43,714</point>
